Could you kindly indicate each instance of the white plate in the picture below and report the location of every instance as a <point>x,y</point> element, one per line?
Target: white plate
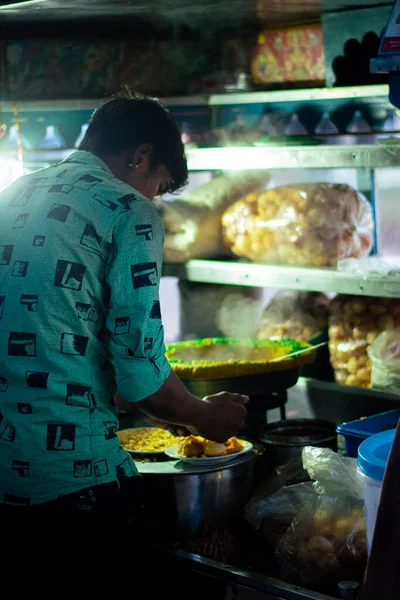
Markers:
<point>172,452</point>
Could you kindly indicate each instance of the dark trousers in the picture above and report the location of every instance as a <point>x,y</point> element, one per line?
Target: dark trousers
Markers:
<point>83,539</point>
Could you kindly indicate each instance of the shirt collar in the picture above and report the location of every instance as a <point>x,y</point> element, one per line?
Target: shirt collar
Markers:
<point>81,157</point>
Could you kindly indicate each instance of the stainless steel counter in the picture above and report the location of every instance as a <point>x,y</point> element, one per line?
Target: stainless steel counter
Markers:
<point>224,582</point>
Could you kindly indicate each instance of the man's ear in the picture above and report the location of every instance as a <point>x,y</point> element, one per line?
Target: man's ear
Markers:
<point>140,158</point>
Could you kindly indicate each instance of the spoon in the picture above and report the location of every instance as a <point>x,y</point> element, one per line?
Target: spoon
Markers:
<point>303,351</point>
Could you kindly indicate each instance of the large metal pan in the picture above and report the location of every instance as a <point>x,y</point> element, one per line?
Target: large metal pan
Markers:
<point>251,385</point>
<point>180,497</point>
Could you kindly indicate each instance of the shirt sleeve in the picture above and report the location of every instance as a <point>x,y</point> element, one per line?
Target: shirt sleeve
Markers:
<point>134,316</point>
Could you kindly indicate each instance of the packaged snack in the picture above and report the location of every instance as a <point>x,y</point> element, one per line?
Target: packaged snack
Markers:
<point>317,529</point>
<point>354,324</point>
<point>193,222</point>
<point>313,224</point>
<point>385,358</point>
<point>295,315</point>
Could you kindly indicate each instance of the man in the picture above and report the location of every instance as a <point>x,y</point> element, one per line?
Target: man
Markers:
<point>80,264</point>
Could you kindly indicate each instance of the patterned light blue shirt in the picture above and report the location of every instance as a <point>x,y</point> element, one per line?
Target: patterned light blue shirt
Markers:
<point>80,264</point>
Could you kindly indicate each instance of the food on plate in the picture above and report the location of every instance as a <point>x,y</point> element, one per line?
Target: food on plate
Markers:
<point>195,446</point>
<point>354,324</point>
<point>146,439</point>
<point>218,358</point>
<point>214,449</point>
<point>295,315</point>
<point>312,224</point>
<point>193,222</point>
<point>191,446</point>
<point>233,446</point>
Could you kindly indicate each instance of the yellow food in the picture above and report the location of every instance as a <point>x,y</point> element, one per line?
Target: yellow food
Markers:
<point>218,358</point>
<point>191,446</point>
<point>144,439</point>
<point>354,324</point>
<point>233,445</point>
<point>312,224</point>
<point>197,446</point>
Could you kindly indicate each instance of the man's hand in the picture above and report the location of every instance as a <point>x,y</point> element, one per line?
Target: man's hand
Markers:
<point>217,417</point>
<point>224,416</point>
<point>133,408</point>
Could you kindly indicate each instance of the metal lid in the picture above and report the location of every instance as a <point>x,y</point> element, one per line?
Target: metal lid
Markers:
<point>373,454</point>
<point>298,432</point>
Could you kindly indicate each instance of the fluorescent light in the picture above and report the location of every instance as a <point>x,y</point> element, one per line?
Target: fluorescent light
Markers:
<point>20,4</point>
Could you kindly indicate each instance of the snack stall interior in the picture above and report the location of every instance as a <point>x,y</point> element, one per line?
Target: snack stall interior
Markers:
<point>288,230</point>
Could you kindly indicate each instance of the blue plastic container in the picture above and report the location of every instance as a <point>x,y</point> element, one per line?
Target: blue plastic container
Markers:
<point>356,432</point>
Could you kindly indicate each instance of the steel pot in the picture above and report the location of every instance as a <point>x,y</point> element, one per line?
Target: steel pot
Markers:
<point>285,440</point>
<point>179,497</point>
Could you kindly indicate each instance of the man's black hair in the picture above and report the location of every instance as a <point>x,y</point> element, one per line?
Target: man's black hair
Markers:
<point>123,122</point>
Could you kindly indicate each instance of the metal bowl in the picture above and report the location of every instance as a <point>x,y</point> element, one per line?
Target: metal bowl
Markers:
<point>284,440</point>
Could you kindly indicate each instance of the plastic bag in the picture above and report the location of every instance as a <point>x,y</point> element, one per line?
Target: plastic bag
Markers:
<point>354,324</point>
<point>313,224</point>
<point>385,356</point>
<point>193,222</point>
<point>276,502</point>
<point>294,315</point>
<point>371,266</point>
<point>325,537</point>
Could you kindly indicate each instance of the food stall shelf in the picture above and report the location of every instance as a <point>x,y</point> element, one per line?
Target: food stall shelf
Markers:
<point>40,158</point>
<point>290,278</point>
<point>305,95</point>
<point>239,583</point>
<point>273,157</point>
<point>330,401</point>
<point>295,157</point>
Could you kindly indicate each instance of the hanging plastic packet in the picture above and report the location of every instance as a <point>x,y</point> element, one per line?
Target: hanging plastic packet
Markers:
<point>52,139</point>
<point>358,129</point>
<point>326,130</point>
<point>295,126</point>
<point>11,142</point>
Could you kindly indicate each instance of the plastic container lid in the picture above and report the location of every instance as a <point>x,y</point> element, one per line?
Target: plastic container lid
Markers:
<point>373,454</point>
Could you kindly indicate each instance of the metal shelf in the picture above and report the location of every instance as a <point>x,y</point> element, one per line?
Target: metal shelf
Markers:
<point>273,157</point>
<point>40,156</point>
<point>90,105</point>
<point>293,157</point>
<point>304,95</point>
<point>291,278</point>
